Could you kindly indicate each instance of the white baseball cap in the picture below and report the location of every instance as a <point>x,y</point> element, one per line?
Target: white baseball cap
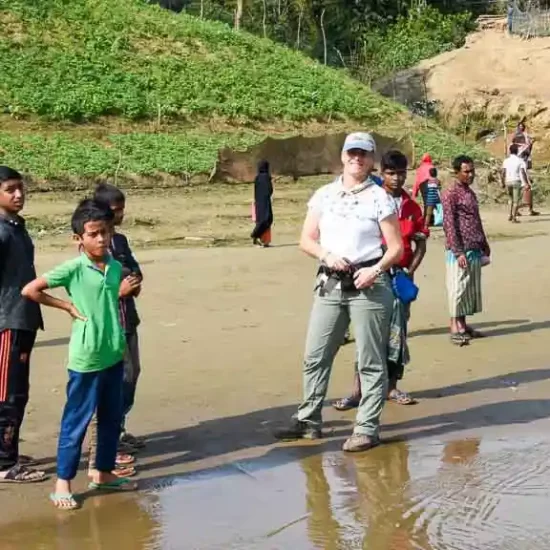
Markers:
<point>360,140</point>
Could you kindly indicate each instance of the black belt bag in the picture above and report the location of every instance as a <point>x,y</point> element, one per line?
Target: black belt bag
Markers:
<point>345,278</point>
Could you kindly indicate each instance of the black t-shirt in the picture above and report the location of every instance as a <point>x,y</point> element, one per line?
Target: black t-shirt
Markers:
<point>16,270</point>
<point>121,251</point>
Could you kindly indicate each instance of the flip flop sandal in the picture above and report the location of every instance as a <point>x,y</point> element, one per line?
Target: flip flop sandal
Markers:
<point>123,459</point>
<point>346,404</point>
<point>460,339</point>
<point>401,398</point>
<point>119,484</point>
<point>64,501</point>
<point>22,474</point>
<point>124,471</point>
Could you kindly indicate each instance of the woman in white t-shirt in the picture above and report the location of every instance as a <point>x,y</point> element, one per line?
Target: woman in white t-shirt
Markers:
<point>345,226</point>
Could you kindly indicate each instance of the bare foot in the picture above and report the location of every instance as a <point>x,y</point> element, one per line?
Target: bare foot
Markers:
<point>62,486</point>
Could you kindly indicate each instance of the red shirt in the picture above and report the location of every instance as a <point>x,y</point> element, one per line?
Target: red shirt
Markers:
<point>413,227</point>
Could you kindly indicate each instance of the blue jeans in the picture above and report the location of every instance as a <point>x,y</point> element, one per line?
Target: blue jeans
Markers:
<point>86,392</point>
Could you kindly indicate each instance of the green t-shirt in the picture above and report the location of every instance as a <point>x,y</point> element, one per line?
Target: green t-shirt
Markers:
<point>97,343</point>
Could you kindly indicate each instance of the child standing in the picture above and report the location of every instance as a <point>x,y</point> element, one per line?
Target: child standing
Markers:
<point>129,318</point>
<point>433,196</point>
<point>121,251</point>
<point>96,349</point>
<point>20,319</point>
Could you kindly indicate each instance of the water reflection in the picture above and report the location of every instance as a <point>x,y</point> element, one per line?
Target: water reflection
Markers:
<point>422,495</point>
<point>367,505</point>
<point>110,522</point>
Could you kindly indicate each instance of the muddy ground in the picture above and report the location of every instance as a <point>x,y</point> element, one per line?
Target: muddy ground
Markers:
<point>222,337</point>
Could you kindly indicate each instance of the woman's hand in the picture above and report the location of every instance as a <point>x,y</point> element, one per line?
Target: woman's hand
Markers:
<point>365,277</point>
<point>335,262</point>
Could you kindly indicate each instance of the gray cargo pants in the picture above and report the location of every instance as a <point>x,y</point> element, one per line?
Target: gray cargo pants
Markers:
<point>369,311</point>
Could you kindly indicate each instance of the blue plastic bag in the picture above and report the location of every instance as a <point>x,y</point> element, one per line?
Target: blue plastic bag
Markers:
<point>438,215</point>
<point>403,287</point>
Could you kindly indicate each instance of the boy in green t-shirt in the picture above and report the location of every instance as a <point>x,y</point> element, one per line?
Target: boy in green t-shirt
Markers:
<point>96,349</point>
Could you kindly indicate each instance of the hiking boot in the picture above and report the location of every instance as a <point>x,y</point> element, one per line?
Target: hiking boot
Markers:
<point>297,430</point>
<point>358,443</point>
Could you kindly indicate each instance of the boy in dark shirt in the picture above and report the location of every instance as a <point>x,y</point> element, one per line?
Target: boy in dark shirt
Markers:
<point>121,251</point>
<point>20,319</point>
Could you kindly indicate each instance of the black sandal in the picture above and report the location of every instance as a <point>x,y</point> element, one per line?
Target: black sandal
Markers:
<point>22,474</point>
<point>346,404</point>
<point>460,339</point>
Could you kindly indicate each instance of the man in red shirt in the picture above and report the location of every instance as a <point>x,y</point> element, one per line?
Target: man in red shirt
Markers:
<point>414,233</point>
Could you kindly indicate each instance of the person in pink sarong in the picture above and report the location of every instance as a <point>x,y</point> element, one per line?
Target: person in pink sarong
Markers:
<point>422,174</point>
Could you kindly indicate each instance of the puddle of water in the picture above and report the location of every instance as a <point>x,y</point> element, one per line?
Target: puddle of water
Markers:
<point>109,522</point>
<point>429,495</point>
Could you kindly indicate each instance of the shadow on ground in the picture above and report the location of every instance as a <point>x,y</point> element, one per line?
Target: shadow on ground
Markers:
<point>502,381</point>
<point>509,326</point>
<point>52,343</point>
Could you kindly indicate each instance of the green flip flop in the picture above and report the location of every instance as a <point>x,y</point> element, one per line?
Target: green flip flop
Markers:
<point>120,484</point>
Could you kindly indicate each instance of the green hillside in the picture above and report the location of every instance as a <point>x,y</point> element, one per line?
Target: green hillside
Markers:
<point>97,87</point>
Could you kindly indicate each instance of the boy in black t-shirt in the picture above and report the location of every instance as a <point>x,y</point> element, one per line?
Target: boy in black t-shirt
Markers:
<point>20,319</point>
<point>122,252</point>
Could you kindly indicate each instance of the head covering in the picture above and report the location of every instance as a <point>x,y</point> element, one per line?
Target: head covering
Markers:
<point>263,166</point>
<point>422,173</point>
<point>359,140</point>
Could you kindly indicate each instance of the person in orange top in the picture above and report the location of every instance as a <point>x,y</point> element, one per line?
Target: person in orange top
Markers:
<point>414,233</point>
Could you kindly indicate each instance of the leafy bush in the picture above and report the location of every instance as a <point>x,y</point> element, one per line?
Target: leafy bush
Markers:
<point>81,59</point>
<point>422,34</point>
<point>65,155</point>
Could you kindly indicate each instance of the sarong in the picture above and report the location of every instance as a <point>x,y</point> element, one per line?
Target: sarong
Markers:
<point>464,285</point>
<point>398,350</point>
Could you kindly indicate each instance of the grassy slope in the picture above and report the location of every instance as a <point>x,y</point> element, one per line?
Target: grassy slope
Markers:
<point>98,87</point>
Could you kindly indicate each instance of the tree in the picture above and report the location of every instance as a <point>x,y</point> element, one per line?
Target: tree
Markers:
<point>239,14</point>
